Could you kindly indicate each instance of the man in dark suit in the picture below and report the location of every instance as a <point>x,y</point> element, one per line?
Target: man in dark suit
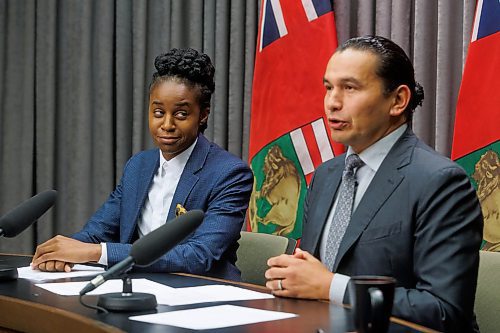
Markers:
<point>415,215</point>
<point>186,172</point>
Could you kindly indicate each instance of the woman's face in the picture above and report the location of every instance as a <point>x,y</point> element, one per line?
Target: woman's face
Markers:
<point>174,116</point>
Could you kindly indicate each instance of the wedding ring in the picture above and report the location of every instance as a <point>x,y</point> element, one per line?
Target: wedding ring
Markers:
<point>280,287</point>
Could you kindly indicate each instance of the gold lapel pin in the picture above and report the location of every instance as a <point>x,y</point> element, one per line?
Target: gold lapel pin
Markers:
<point>179,210</point>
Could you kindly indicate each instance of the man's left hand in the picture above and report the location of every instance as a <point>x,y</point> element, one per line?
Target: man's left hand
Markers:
<point>300,275</point>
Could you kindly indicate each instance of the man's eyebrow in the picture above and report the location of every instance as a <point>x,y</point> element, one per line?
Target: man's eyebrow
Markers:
<point>349,79</point>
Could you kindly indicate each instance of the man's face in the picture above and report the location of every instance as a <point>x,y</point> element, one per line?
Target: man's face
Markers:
<point>358,112</point>
<point>174,117</point>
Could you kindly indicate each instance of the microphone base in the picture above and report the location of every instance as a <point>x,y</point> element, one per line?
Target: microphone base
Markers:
<point>127,302</point>
<point>7,273</point>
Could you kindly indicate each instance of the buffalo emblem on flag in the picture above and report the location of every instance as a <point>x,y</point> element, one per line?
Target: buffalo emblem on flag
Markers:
<point>282,169</point>
<point>487,177</point>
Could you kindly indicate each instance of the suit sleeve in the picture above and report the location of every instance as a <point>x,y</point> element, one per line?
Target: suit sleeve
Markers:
<point>209,244</point>
<point>447,236</point>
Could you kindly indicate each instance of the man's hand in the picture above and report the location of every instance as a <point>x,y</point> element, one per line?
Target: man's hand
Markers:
<point>60,253</point>
<point>301,275</point>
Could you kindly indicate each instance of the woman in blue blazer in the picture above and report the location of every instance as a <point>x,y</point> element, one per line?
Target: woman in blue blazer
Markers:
<point>186,172</point>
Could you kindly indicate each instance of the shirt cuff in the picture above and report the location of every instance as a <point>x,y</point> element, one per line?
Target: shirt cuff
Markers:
<point>338,287</point>
<point>103,260</point>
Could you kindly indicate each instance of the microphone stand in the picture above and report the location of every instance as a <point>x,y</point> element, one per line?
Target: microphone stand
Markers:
<point>8,273</point>
<point>127,300</point>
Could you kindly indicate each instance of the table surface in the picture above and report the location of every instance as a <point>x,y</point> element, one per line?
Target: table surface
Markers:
<point>313,316</point>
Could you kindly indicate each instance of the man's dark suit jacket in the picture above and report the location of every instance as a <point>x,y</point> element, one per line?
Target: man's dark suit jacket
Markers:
<point>419,221</point>
<point>213,180</point>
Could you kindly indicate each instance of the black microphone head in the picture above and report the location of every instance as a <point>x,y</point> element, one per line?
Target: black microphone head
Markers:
<point>22,216</point>
<point>151,247</point>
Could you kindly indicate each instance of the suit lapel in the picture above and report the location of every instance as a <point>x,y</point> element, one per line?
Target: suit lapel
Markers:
<point>324,199</point>
<point>189,178</point>
<point>144,175</point>
<point>386,180</point>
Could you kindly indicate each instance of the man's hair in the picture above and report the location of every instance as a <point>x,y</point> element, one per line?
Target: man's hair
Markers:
<point>190,67</point>
<point>395,68</point>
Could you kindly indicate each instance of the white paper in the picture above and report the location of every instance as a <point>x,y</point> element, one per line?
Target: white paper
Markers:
<point>164,294</point>
<point>110,286</point>
<point>212,293</point>
<point>77,270</point>
<point>213,317</point>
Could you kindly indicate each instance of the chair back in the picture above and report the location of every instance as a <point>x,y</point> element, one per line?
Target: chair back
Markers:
<point>254,251</point>
<point>487,302</point>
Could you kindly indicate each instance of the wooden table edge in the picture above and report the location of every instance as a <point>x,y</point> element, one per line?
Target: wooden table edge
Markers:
<point>26,316</point>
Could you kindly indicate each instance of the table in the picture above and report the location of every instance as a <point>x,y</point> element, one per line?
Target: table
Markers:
<point>26,307</point>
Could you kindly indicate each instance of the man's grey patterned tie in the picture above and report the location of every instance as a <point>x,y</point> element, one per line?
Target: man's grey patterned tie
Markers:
<point>343,212</point>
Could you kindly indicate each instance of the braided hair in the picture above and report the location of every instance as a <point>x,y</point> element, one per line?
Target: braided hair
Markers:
<point>190,67</point>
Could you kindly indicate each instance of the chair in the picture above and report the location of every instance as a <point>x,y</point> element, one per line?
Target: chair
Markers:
<point>487,303</point>
<point>254,250</point>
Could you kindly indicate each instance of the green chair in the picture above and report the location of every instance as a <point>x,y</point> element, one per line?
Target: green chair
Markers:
<point>487,303</point>
<point>254,250</point>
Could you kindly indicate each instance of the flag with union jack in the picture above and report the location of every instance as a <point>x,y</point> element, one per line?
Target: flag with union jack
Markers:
<point>288,135</point>
<point>476,140</point>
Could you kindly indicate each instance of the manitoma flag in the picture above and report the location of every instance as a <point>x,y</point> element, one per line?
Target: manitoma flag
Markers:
<point>288,133</point>
<point>476,143</point>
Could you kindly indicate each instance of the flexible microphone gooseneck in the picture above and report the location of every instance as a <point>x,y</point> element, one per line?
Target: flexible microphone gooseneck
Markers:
<point>20,218</point>
<point>145,251</point>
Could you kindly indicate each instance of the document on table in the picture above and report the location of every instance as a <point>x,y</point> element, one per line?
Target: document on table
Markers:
<point>110,286</point>
<point>78,270</point>
<point>164,294</point>
<point>213,293</point>
<point>213,317</point>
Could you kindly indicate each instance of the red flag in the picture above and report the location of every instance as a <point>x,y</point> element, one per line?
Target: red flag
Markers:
<point>288,133</point>
<point>476,145</point>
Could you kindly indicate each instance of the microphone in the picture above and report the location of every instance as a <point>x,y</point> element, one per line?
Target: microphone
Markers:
<point>149,248</point>
<point>146,250</point>
<point>123,266</point>
<point>22,216</point>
